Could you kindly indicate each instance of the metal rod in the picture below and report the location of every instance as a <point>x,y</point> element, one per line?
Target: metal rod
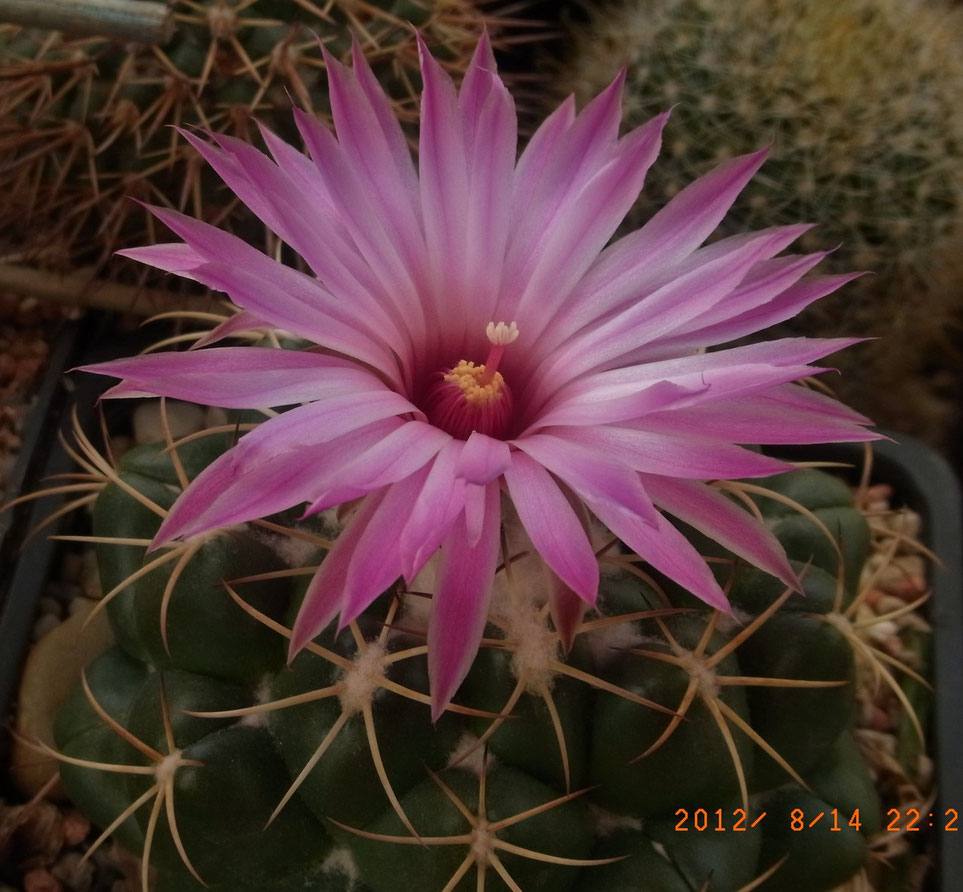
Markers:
<point>142,21</point>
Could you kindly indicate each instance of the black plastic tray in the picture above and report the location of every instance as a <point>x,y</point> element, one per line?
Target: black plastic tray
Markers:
<point>923,481</point>
<point>27,563</point>
<point>25,567</point>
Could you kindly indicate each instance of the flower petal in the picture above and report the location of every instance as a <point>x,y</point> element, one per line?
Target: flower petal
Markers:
<point>371,143</point>
<point>459,607</point>
<point>325,593</point>
<point>593,476</point>
<point>281,296</point>
<point>710,512</point>
<point>401,453</point>
<point>622,394</point>
<point>241,377</point>
<point>239,486</point>
<point>576,229</point>
<point>647,254</point>
<point>553,526</point>
<point>366,578</point>
<point>482,459</point>
<point>241,321</point>
<point>785,414</point>
<point>666,549</point>
<point>432,512</point>
<point>687,456</point>
<point>687,296</point>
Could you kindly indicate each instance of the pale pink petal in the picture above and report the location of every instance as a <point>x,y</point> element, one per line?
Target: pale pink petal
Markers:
<point>325,592</point>
<point>782,307</point>
<point>258,182</point>
<point>553,526</point>
<point>577,228</point>
<point>665,241</point>
<point>490,133</point>
<point>482,459</point>
<point>475,501</point>
<point>535,157</point>
<point>362,134</point>
<point>689,456</point>
<point>432,512</point>
<point>298,303</point>
<point>459,607</point>
<point>295,202</point>
<point>621,394</point>
<point>236,488</point>
<point>666,549</point>
<point>390,127</point>
<point>366,578</point>
<point>241,377</point>
<point>710,512</point>
<point>171,258</point>
<point>785,414</point>
<point>765,281</point>
<point>239,322</point>
<point>443,176</point>
<point>339,262</point>
<point>560,149</point>
<point>223,494</point>
<point>393,458</point>
<point>686,297</point>
<point>593,476</point>
<point>399,283</point>
<point>278,294</point>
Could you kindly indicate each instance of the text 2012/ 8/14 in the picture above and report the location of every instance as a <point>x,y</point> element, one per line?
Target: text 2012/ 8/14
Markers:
<point>738,820</point>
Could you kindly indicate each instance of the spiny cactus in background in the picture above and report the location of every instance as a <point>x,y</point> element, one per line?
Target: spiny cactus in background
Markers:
<point>666,746</point>
<point>861,102</point>
<point>85,124</point>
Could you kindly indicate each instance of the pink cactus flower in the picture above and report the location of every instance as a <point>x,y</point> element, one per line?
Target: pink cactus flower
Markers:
<point>479,342</point>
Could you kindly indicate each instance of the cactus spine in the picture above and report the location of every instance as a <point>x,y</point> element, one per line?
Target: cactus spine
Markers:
<point>87,121</point>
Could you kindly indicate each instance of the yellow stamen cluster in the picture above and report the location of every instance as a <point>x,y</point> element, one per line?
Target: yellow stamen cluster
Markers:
<point>470,378</point>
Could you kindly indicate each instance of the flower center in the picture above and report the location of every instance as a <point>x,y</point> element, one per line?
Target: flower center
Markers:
<point>472,397</point>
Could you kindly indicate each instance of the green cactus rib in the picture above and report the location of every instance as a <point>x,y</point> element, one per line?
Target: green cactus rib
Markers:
<point>560,766</point>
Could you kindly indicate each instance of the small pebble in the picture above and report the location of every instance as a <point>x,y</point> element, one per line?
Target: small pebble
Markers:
<point>39,879</point>
<point>74,871</point>
<point>879,720</point>
<point>889,604</point>
<point>880,632</point>
<point>909,589</point>
<point>76,827</point>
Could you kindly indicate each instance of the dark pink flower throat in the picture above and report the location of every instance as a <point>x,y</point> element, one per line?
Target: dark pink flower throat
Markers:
<point>472,397</point>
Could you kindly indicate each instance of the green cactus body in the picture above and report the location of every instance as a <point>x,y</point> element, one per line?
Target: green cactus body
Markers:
<point>606,768</point>
<point>859,102</point>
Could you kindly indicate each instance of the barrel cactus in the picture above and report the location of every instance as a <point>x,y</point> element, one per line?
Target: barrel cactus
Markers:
<point>87,122</point>
<point>859,99</point>
<point>560,764</point>
<point>413,620</point>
